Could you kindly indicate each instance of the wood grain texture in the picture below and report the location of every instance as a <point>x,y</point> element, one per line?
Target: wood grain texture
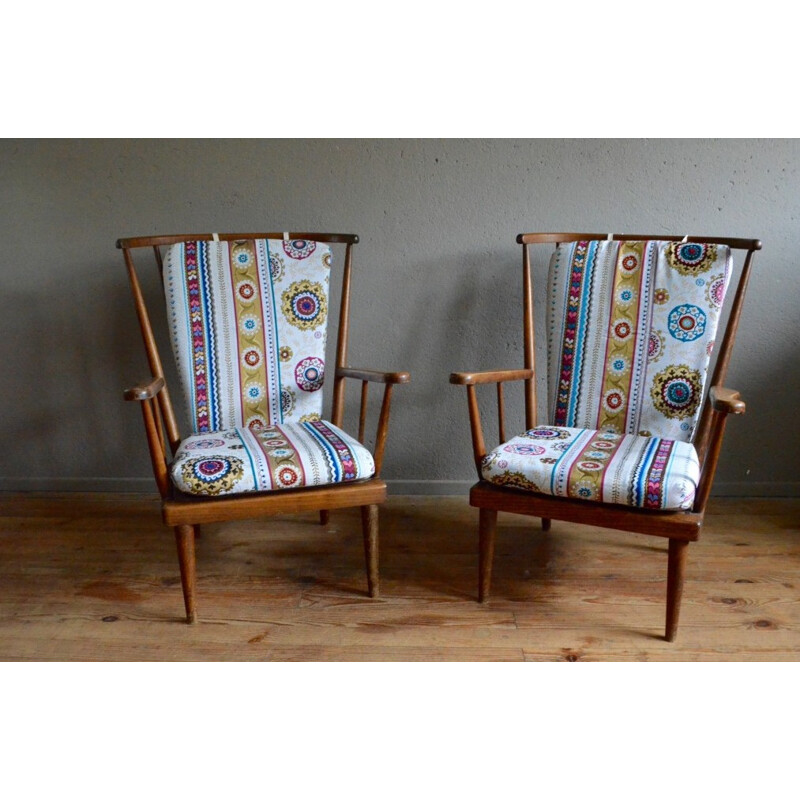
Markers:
<point>94,577</point>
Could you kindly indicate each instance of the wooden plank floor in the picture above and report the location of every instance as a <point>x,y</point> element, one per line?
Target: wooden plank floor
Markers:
<point>95,577</point>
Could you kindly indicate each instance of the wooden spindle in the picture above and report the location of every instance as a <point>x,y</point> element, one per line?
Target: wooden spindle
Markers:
<point>362,417</point>
<point>501,413</point>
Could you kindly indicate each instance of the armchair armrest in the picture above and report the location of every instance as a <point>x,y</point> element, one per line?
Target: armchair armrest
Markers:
<point>495,376</point>
<point>144,390</point>
<point>726,401</point>
<point>372,375</point>
<point>723,401</point>
<point>473,379</point>
<point>367,376</point>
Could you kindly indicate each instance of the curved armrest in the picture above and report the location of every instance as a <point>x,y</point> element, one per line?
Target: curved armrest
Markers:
<point>723,401</point>
<point>495,376</point>
<point>372,375</point>
<point>726,401</point>
<point>471,380</point>
<point>367,376</point>
<point>145,390</point>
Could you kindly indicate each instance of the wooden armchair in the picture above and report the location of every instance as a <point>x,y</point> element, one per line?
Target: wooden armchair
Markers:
<point>629,444</point>
<point>248,316</point>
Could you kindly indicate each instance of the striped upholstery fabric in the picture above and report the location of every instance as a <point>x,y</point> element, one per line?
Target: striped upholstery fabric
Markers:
<point>287,456</point>
<point>631,327</point>
<point>640,471</point>
<point>248,322</point>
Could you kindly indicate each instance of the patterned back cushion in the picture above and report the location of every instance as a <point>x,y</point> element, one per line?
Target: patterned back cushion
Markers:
<point>631,327</point>
<point>248,322</point>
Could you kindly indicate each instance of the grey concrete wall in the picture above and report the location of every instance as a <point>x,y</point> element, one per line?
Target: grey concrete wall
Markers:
<point>437,283</point>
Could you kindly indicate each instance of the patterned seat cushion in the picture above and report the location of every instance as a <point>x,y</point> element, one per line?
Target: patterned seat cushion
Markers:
<point>287,456</point>
<point>641,471</point>
<point>631,327</point>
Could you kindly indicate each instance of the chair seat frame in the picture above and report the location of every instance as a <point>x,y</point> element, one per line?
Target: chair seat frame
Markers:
<point>185,513</point>
<point>679,527</point>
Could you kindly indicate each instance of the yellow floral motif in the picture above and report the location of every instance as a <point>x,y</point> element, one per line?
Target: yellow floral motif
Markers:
<point>210,475</point>
<point>516,480</point>
<point>689,258</point>
<point>675,391</point>
<point>617,376</point>
<point>305,305</point>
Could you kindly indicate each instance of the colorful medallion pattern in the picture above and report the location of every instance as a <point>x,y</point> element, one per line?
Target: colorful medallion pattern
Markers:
<point>676,391</point>
<point>305,305</point>
<point>687,322</point>
<point>299,248</point>
<point>211,475</point>
<point>691,258</point>
<point>310,374</point>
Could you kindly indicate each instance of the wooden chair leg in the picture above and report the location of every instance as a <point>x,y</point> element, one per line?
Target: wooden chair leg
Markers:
<point>324,517</point>
<point>546,524</point>
<point>184,536</point>
<point>369,525</point>
<point>487,527</point>
<point>675,571</point>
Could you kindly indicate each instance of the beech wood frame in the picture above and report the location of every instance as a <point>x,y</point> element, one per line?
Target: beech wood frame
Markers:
<point>185,512</point>
<point>679,527</point>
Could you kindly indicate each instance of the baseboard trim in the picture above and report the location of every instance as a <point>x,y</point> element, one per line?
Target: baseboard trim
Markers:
<point>431,488</point>
<point>396,487</point>
<point>125,485</point>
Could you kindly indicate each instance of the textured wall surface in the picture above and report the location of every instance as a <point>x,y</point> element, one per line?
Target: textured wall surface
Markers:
<point>437,286</point>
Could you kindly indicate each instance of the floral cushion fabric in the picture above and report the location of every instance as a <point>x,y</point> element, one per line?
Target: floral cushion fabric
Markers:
<point>248,322</point>
<point>641,471</point>
<point>287,456</point>
<point>631,327</point>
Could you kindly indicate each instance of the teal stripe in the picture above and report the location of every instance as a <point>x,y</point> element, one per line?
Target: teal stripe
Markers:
<point>561,457</point>
<point>276,355</point>
<point>252,463</point>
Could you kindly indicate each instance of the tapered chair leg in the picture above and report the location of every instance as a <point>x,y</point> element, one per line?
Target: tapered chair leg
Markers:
<point>675,571</point>
<point>487,527</point>
<point>184,537</point>
<point>369,525</point>
<point>324,517</point>
<point>546,524</point>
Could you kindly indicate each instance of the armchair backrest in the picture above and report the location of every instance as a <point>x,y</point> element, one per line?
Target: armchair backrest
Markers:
<point>248,316</point>
<point>684,330</point>
<point>248,324</point>
<point>631,327</point>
